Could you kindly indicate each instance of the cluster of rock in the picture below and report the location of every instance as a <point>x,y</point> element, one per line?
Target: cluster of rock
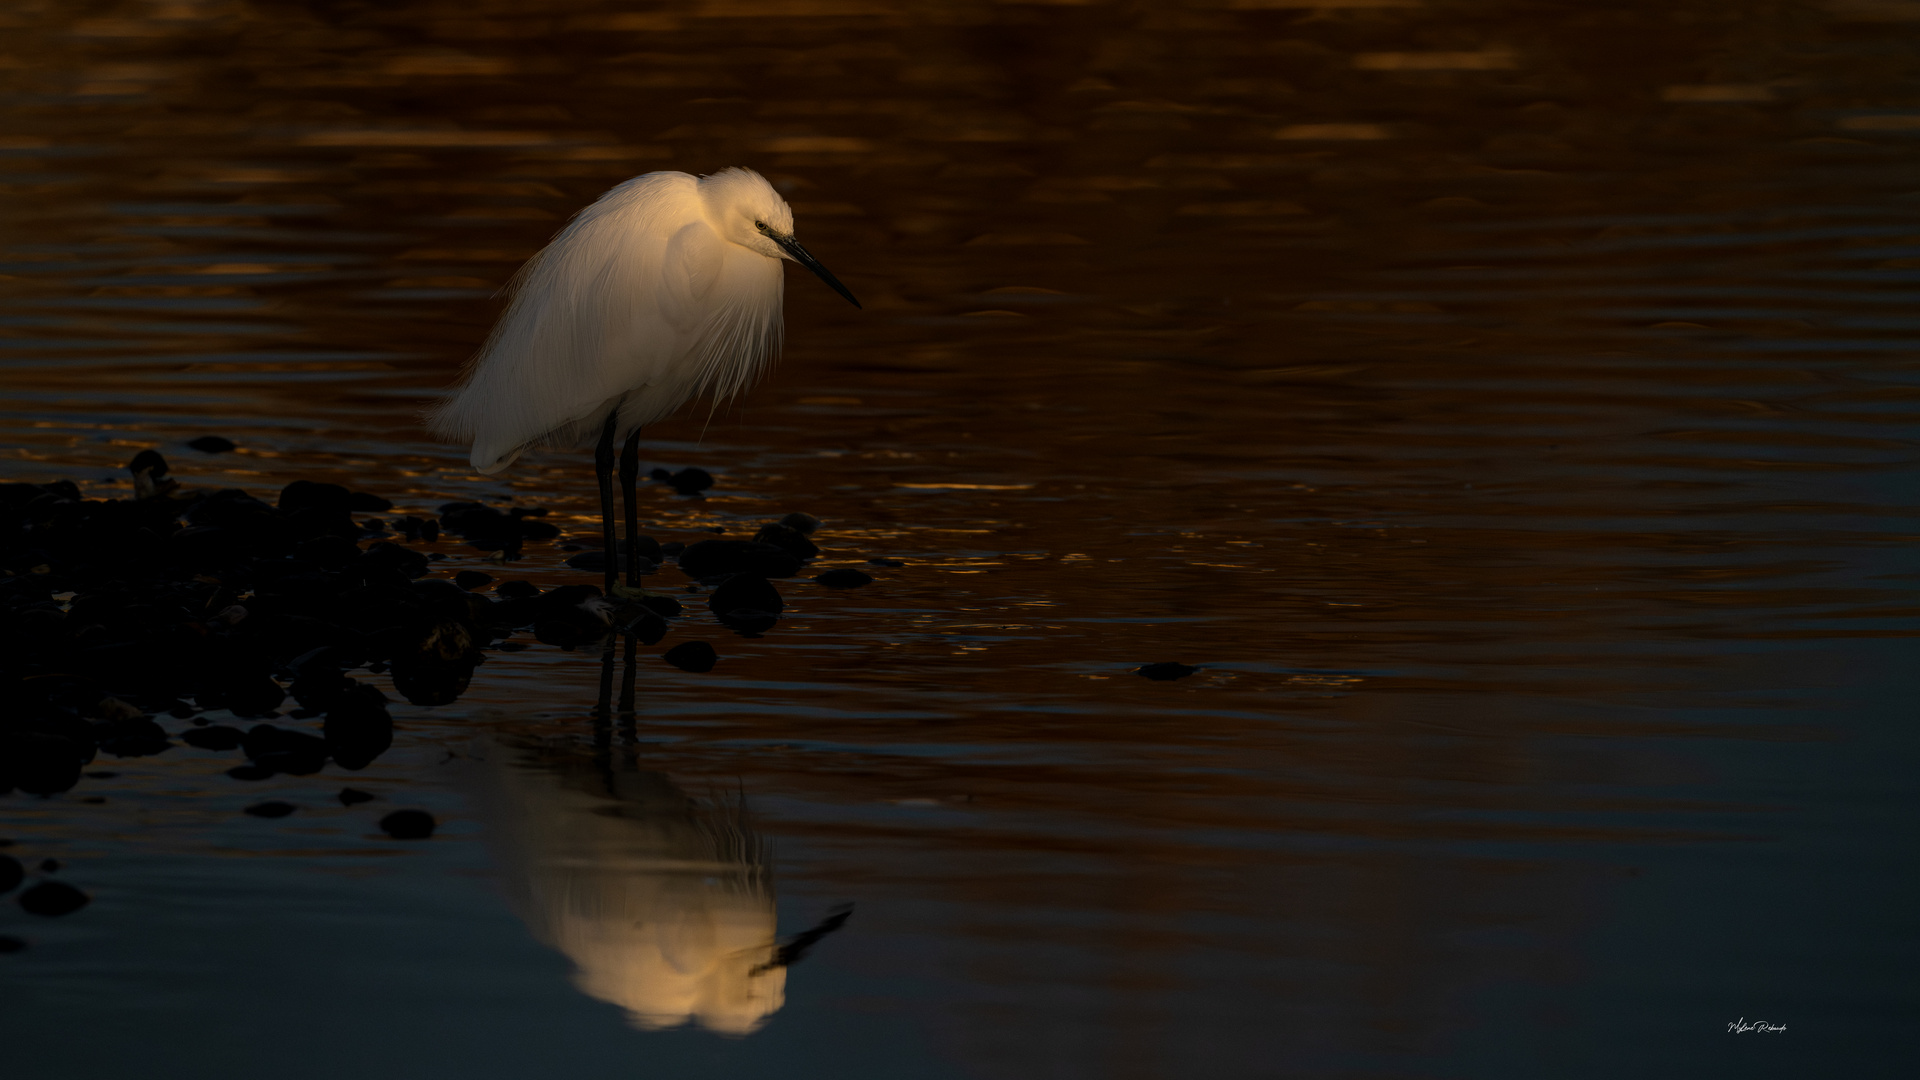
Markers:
<point>179,602</point>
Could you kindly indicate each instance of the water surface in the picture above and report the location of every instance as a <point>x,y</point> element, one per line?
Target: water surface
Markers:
<point>1509,407</point>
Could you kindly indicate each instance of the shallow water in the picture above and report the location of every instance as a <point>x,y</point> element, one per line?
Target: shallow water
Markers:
<point>1510,407</point>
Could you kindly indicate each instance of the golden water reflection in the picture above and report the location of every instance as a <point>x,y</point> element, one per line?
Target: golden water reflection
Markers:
<point>664,902</point>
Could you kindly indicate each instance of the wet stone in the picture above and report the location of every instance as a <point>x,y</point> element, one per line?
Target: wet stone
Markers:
<point>362,502</point>
<point>41,764</point>
<point>689,481</point>
<point>358,728</point>
<point>213,737</point>
<point>428,680</point>
<point>49,865</point>
<point>285,750</point>
<point>11,873</point>
<point>132,738</point>
<point>311,495</point>
<point>53,899</point>
<point>714,558</point>
<point>390,558</point>
<point>845,577</point>
<point>472,579</point>
<point>804,524</point>
<point>516,590</point>
<point>212,444</point>
<point>749,622</point>
<point>10,944</point>
<point>424,530</point>
<point>353,796</point>
<point>250,772</point>
<point>490,530</point>
<point>788,539</point>
<point>408,824</point>
<point>695,656</point>
<point>644,546</point>
<point>665,606</point>
<point>883,560</point>
<point>745,592</point>
<point>1165,672</point>
<point>271,809</point>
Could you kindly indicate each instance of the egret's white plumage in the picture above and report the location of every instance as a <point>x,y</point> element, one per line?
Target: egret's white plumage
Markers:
<point>666,288</point>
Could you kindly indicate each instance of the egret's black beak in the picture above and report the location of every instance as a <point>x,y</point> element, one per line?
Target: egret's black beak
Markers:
<point>801,256</point>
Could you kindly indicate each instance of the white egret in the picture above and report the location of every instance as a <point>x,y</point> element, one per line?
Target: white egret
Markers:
<point>667,287</point>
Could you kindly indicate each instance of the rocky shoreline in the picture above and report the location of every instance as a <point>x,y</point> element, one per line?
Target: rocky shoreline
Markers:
<point>181,602</point>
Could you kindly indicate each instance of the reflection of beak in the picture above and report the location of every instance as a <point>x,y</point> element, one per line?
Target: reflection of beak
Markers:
<point>800,255</point>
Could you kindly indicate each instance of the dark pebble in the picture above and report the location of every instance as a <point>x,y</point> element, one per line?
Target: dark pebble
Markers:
<point>713,558</point>
<point>43,764</point>
<point>511,646</point>
<point>11,873</point>
<point>804,524</point>
<point>516,590</point>
<point>368,503</point>
<point>53,899</point>
<point>845,577</point>
<point>274,809</point>
<point>11,944</point>
<point>472,579</point>
<point>663,605</point>
<point>354,796</point>
<point>1165,672</point>
<point>408,824</point>
<point>672,549</point>
<point>745,592</point>
<point>215,737</point>
<point>49,865</point>
<point>103,774</point>
<point>310,495</point>
<point>284,750</point>
<point>884,561</point>
<point>358,728</point>
<point>641,621</point>
<point>250,772</point>
<point>212,444</point>
<point>788,539</point>
<point>694,656</point>
<point>689,481</point>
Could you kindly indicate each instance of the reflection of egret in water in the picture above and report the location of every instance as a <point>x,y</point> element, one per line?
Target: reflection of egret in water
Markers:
<point>663,901</point>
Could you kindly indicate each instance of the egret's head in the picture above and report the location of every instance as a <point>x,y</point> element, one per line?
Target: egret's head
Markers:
<point>746,210</point>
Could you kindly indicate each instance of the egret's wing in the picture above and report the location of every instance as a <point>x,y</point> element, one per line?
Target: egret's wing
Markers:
<point>688,272</point>
<point>637,305</point>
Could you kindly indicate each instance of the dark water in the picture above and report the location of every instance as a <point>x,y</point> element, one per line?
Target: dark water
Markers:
<point>1510,406</point>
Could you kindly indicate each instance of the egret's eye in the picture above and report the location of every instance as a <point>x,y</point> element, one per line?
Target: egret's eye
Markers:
<point>761,225</point>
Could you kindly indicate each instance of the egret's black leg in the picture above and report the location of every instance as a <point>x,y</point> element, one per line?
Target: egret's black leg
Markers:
<point>603,709</point>
<point>603,467</point>
<point>630,476</point>
<point>627,673</point>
